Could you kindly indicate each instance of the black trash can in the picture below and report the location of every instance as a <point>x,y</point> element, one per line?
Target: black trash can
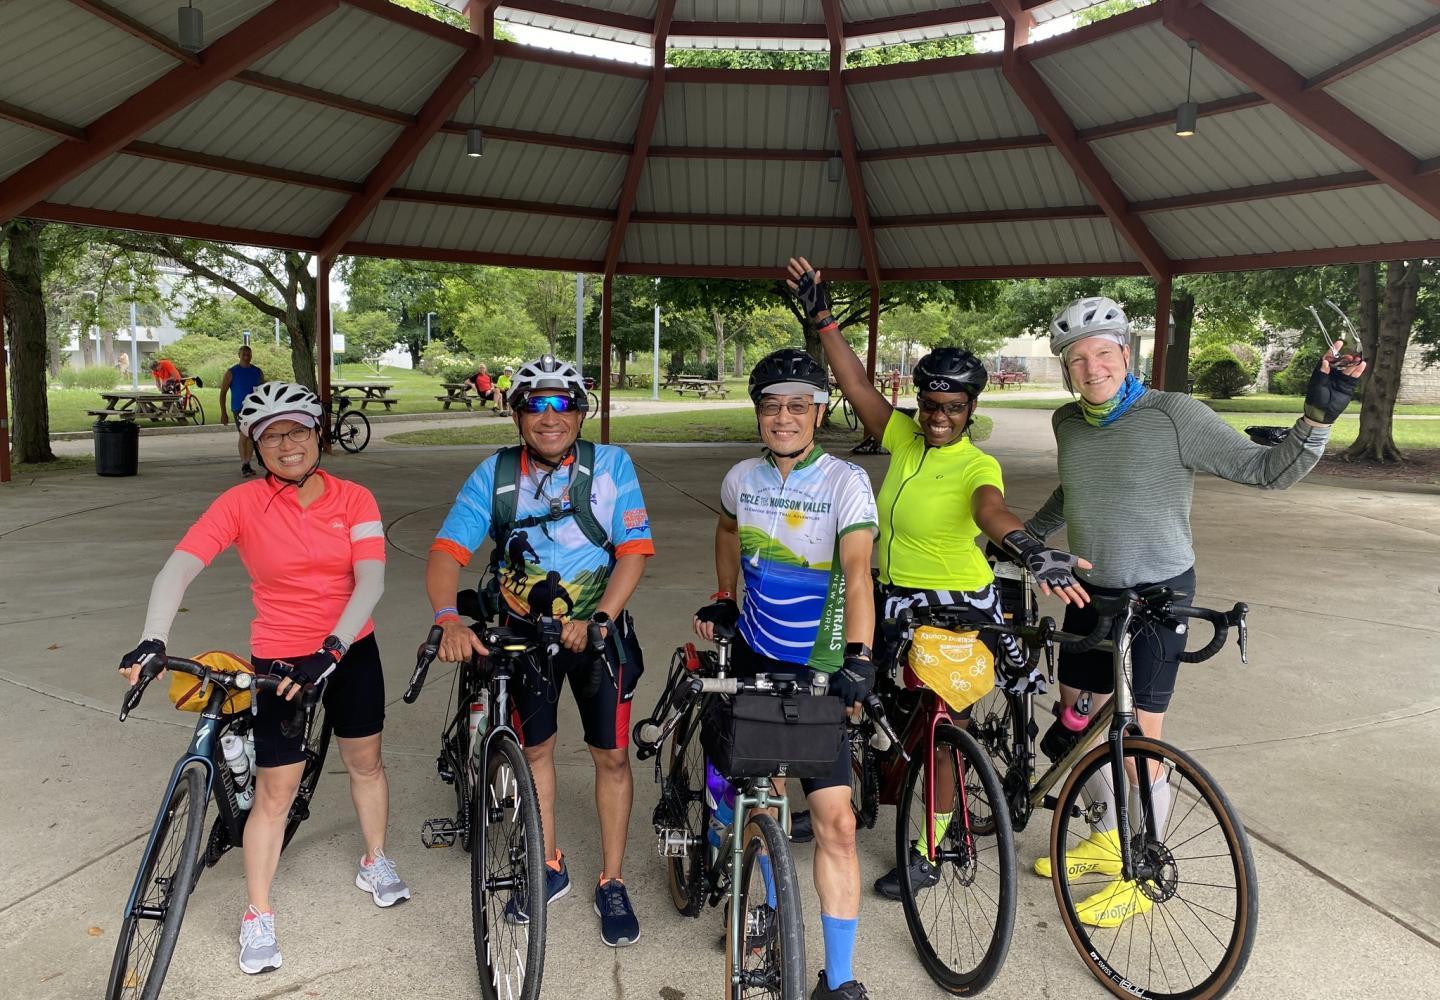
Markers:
<point>117,447</point>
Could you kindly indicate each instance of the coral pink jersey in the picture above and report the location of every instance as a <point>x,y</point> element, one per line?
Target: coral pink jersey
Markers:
<point>300,561</point>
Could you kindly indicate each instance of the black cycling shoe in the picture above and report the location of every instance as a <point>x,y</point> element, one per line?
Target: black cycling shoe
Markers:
<point>800,830</point>
<point>922,876</point>
<point>853,990</point>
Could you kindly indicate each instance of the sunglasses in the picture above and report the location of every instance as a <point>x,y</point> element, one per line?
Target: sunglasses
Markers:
<point>539,404</point>
<point>951,409</point>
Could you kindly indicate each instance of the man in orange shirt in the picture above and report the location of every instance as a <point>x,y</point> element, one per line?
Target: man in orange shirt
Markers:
<point>166,375</point>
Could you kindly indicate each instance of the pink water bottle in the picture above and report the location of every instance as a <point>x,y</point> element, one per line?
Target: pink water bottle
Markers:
<point>1065,732</point>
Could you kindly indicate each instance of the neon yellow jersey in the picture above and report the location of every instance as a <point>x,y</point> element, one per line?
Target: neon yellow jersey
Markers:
<point>927,528</point>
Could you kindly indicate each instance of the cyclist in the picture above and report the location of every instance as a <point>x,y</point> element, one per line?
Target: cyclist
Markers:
<point>1127,460</point>
<point>503,383</point>
<point>239,381</point>
<point>167,376</point>
<point>588,539</point>
<point>939,493</point>
<point>314,547</point>
<point>801,525</point>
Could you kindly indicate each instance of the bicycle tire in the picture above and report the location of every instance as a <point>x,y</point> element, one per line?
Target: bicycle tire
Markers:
<point>194,409</point>
<point>592,401</point>
<point>780,969</point>
<point>315,748</point>
<point>1214,846</point>
<point>682,797</point>
<point>958,958</point>
<point>852,419</point>
<point>352,431</point>
<point>509,788</point>
<point>461,767</point>
<point>864,777</point>
<point>171,858</point>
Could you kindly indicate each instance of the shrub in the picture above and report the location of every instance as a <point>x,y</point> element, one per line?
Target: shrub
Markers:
<point>94,377</point>
<point>707,369</point>
<point>1249,359</point>
<point>1218,373</point>
<point>1295,376</point>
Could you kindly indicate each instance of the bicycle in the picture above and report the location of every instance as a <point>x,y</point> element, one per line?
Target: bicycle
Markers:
<point>714,821</point>
<point>173,859</point>
<point>497,822</point>
<point>189,402</point>
<point>1192,866</point>
<point>839,401</point>
<point>348,428</point>
<point>951,809</point>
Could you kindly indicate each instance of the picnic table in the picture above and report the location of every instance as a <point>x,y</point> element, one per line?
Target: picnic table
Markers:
<point>370,392</point>
<point>1003,379</point>
<point>702,387</point>
<point>153,406</point>
<point>462,393</point>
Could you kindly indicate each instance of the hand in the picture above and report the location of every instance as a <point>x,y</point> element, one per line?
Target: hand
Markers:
<point>459,641</point>
<point>724,612</point>
<point>302,671</point>
<point>813,293</point>
<point>854,680</point>
<point>575,636</point>
<point>133,662</point>
<point>1331,387</point>
<point>1053,569</point>
<point>224,417</point>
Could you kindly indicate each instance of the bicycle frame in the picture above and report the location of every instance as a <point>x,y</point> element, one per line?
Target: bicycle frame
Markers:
<point>757,793</point>
<point>919,736</point>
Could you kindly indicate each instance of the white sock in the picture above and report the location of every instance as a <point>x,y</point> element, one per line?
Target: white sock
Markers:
<point>1160,799</point>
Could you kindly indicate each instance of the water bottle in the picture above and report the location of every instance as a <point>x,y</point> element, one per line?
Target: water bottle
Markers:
<point>479,714</point>
<point>720,797</point>
<point>240,770</point>
<point>1065,732</point>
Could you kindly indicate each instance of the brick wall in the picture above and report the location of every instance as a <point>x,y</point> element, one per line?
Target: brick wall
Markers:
<point>1418,384</point>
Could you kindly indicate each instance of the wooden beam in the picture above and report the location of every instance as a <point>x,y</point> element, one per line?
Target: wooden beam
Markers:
<point>1164,288</point>
<point>1246,60</point>
<point>542,139</point>
<point>1322,257</point>
<point>448,255</point>
<point>1166,119</point>
<point>976,272</point>
<point>989,216</point>
<point>734,272</point>
<point>959,14</point>
<point>873,332</point>
<point>278,86</point>
<point>748,77</point>
<point>568,60</point>
<point>607,290</point>
<point>719,219</point>
<point>40,123</point>
<point>414,20</point>
<point>134,28</point>
<point>436,111</point>
<point>76,215</point>
<point>587,15</point>
<point>958,148</point>
<point>748,29</point>
<point>322,329</point>
<point>845,135</point>
<point>740,153</point>
<point>262,33</point>
<point>1400,40</point>
<point>1258,192</point>
<point>501,204</point>
<point>241,168</point>
<point>630,186</point>
<point>1093,32</point>
<point>923,67</point>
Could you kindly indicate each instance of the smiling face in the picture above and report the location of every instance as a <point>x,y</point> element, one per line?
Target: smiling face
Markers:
<point>940,424</point>
<point>791,427</point>
<point>1097,367</point>
<point>289,448</point>
<point>548,433</point>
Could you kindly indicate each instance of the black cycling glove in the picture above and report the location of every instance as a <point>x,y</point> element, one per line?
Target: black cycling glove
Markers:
<point>141,655</point>
<point>1052,567</point>
<point>310,669</point>
<point>1328,394</point>
<point>724,612</point>
<point>813,295</point>
<point>854,680</point>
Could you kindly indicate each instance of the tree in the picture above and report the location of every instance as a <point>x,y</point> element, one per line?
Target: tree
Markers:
<point>548,298</point>
<point>368,335</point>
<point>23,275</point>
<point>406,290</point>
<point>724,303</point>
<point>632,318</point>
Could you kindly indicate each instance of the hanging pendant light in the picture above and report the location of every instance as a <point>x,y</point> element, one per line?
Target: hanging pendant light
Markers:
<point>192,28</point>
<point>1188,113</point>
<point>835,169</point>
<point>474,138</point>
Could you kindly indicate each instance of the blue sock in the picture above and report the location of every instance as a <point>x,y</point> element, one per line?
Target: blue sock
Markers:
<point>768,873</point>
<point>839,948</point>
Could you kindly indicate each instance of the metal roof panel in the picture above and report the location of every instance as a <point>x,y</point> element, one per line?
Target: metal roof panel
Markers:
<point>1037,177</point>
<point>748,116</point>
<point>1313,37</point>
<point>738,246</point>
<point>785,189</point>
<point>483,230</point>
<point>1398,96</point>
<point>517,170</point>
<point>749,11</point>
<point>976,104</point>
<point>19,145</point>
<point>220,15</point>
<point>542,98</point>
<point>1058,241</point>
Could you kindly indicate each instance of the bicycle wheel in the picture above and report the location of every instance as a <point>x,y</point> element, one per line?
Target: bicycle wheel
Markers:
<point>682,807</point>
<point>1184,927</point>
<point>317,742</point>
<point>193,410</point>
<point>593,401</point>
<point>167,872</point>
<point>852,419</point>
<point>960,909</point>
<point>352,431</point>
<point>999,725</point>
<point>773,957</point>
<point>864,776</point>
<point>507,870</point>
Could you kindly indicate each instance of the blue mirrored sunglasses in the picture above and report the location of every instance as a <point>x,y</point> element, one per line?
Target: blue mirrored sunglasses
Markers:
<point>560,404</point>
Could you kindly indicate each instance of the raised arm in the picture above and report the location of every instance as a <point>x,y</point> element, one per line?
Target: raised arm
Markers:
<point>870,405</point>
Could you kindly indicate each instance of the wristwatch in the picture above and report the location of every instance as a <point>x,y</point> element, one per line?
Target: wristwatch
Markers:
<point>334,647</point>
<point>602,619</point>
<point>859,649</point>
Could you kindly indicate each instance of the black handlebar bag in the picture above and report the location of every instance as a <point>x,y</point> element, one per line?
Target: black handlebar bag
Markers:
<point>765,736</point>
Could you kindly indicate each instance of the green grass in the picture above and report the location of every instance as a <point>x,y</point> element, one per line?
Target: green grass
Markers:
<point>1409,434</point>
<point>25,470</point>
<point>1258,403</point>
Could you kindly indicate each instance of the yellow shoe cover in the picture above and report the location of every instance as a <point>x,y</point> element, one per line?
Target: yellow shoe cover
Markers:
<point>1097,854</point>
<point>1115,903</point>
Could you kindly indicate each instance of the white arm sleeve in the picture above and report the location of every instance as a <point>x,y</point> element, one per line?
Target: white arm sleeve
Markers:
<point>167,592</point>
<point>369,585</point>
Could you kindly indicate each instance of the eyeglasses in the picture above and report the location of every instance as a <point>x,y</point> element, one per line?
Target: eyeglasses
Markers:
<point>560,404</point>
<point>951,409</point>
<point>298,433</point>
<point>795,407</point>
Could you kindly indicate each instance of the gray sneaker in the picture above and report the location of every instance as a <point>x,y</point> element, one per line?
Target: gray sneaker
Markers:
<point>258,950</point>
<point>380,880</point>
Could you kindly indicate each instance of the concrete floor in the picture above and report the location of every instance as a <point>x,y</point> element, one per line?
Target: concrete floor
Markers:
<point>1344,584</point>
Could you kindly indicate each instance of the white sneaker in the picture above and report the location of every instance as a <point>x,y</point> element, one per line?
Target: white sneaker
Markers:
<point>381,881</point>
<point>258,950</point>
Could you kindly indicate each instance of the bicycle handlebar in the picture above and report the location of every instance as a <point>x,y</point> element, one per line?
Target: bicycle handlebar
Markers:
<point>424,656</point>
<point>240,681</point>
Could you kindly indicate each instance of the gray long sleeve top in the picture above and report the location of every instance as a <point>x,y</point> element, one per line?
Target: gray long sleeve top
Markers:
<point>1125,490</point>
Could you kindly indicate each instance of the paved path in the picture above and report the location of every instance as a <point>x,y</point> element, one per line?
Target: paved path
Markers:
<point>1329,744</point>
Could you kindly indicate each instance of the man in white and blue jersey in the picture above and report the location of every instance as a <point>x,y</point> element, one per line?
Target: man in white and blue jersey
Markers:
<point>800,524</point>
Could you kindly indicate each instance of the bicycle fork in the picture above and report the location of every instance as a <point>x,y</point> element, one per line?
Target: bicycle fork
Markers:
<point>738,937</point>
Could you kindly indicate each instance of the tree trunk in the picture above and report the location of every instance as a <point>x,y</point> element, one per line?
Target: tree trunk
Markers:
<point>300,319</point>
<point>677,360</point>
<point>25,309</point>
<point>739,360</point>
<point>1177,360</point>
<point>1376,440</point>
<point>620,357</point>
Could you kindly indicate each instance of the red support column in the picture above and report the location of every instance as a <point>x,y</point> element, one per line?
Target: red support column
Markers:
<point>845,135</point>
<point>1163,288</point>
<point>874,332</point>
<point>605,288</point>
<point>322,333</point>
<point>4,393</point>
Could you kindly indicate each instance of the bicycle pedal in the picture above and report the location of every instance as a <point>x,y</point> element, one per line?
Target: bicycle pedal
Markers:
<point>439,832</point>
<point>674,843</point>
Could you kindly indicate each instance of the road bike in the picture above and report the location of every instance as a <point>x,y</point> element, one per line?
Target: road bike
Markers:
<point>497,817</point>
<point>841,402</point>
<point>1165,906</point>
<point>189,403</point>
<point>348,428</point>
<point>177,851</point>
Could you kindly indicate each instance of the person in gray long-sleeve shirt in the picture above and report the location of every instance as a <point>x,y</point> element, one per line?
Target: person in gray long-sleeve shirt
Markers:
<point>1127,461</point>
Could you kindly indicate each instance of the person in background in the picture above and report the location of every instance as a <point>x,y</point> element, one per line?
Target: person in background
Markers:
<point>502,390</point>
<point>239,381</point>
<point>166,375</point>
<point>483,386</point>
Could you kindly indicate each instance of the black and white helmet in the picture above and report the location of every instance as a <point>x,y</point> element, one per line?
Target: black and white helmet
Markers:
<point>1094,316</point>
<point>548,372</point>
<point>273,400</point>
<point>950,369</point>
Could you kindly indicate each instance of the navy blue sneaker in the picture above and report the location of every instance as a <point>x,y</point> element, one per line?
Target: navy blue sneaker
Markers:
<point>557,884</point>
<point>618,926</point>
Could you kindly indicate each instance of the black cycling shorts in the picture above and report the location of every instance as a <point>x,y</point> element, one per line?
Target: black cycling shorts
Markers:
<point>745,662</point>
<point>354,700</point>
<point>1154,653</point>
<point>605,714</point>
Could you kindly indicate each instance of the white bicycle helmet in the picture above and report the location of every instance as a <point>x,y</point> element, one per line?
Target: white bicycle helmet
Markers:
<point>272,400</point>
<point>1088,317</point>
<point>548,372</point>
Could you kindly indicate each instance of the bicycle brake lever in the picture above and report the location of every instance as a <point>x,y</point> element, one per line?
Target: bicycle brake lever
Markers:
<point>876,711</point>
<point>1242,631</point>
